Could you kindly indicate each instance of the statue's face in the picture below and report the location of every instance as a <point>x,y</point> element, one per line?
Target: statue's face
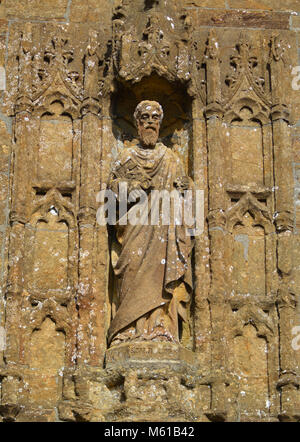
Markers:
<point>148,125</point>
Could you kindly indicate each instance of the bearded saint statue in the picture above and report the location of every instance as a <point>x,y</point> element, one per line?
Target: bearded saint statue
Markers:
<point>153,266</point>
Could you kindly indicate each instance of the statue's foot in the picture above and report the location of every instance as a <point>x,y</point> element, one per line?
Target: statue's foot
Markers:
<point>159,334</point>
<point>121,338</point>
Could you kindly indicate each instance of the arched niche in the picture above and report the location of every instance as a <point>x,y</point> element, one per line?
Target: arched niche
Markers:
<point>176,128</point>
<point>51,253</point>
<point>247,143</point>
<point>49,239</point>
<point>47,350</point>
<point>47,346</point>
<point>248,257</point>
<point>55,150</point>
<point>249,359</point>
<point>175,133</point>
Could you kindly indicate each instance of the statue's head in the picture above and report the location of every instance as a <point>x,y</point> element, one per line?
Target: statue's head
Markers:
<point>148,117</point>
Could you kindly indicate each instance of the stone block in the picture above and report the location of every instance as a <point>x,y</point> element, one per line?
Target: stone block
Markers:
<point>296,22</point>
<point>36,9</point>
<point>91,11</point>
<point>154,353</point>
<point>205,3</point>
<point>3,198</point>
<point>266,5</point>
<point>243,19</point>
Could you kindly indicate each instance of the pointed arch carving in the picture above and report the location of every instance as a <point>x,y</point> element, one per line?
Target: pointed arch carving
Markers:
<point>52,227</point>
<point>161,46</point>
<point>54,198</point>
<point>259,111</point>
<point>251,258</point>
<point>55,311</point>
<point>248,203</point>
<point>245,74</point>
<point>61,315</point>
<point>252,314</point>
<point>57,91</point>
<point>54,65</point>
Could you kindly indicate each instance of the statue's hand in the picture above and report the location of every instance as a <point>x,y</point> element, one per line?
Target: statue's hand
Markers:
<point>135,190</point>
<point>182,183</point>
<point>136,193</point>
<point>140,180</point>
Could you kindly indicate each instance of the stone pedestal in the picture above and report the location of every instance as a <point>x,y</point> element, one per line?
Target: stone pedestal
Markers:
<point>160,381</point>
<point>151,355</point>
<point>145,381</point>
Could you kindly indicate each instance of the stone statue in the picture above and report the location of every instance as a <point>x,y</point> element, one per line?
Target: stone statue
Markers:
<point>153,268</point>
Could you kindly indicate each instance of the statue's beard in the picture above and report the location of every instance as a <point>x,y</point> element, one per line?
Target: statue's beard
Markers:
<point>149,137</point>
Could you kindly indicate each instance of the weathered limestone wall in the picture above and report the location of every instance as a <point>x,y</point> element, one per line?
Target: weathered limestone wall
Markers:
<point>240,142</point>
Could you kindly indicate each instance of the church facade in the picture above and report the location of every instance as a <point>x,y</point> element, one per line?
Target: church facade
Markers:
<point>227,76</point>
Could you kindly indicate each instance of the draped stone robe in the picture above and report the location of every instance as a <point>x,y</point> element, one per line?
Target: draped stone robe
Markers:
<point>154,259</point>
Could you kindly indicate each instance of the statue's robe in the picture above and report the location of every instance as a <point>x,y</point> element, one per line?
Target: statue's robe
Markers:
<point>153,258</point>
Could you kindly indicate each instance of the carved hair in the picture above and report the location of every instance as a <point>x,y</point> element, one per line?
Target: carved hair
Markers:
<point>141,106</point>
